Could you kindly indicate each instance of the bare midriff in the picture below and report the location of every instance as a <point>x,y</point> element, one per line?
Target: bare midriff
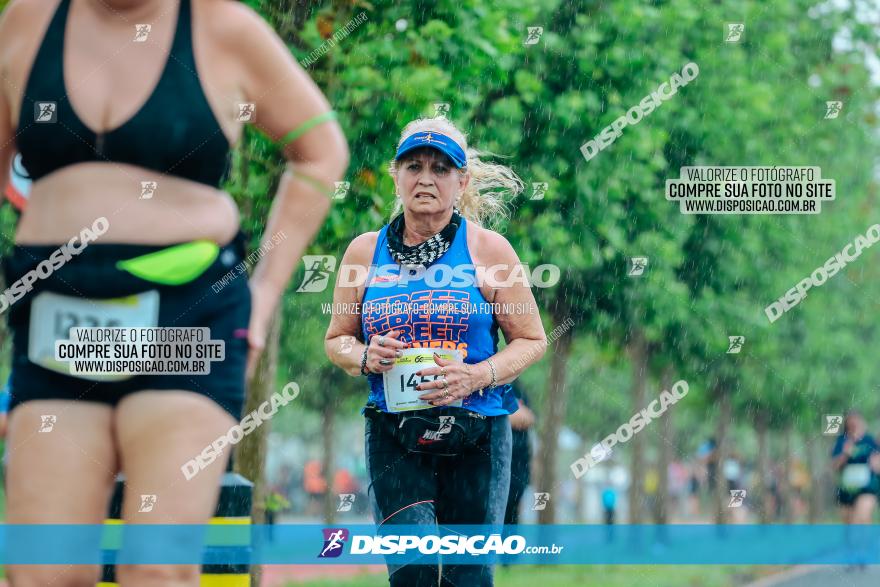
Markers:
<point>178,210</point>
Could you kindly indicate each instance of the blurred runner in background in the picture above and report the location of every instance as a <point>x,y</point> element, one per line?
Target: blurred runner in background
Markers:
<point>521,422</point>
<point>856,458</point>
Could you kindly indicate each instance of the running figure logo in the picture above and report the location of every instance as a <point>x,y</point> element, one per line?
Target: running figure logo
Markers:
<point>833,423</point>
<point>247,112</point>
<point>334,539</point>
<point>541,501</point>
<point>45,112</point>
<point>736,344</point>
<point>148,188</point>
<point>637,266</point>
<point>432,436</point>
<point>47,422</point>
<point>147,503</point>
<point>734,32</point>
<point>346,343</point>
<point>341,189</point>
<point>441,109</point>
<point>141,31</point>
<point>539,188</point>
<point>318,270</point>
<point>832,109</point>
<point>346,500</point>
<point>534,35</point>
<point>737,496</point>
<point>429,138</point>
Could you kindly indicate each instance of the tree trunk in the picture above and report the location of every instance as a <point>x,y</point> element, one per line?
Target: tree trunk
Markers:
<point>785,482</point>
<point>251,454</point>
<point>554,410</point>
<point>667,446</point>
<point>580,515</point>
<point>328,463</point>
<point>722,494</point>
<point>814,466</point>
<point>762,490</point>
<point>638,354</point>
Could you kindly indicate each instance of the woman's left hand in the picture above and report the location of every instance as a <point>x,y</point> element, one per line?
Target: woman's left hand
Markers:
<point>262,310</point>
<point>456,381</point>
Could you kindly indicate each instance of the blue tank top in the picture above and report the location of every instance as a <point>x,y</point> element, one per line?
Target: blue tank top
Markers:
<point>453,315</point>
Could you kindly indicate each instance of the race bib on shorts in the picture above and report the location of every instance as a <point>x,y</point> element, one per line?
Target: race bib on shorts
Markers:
<point>855,477</point>
<point>400,382</point>
<point>53,315</point>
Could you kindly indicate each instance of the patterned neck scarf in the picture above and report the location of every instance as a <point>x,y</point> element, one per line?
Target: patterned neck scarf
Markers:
<point>422,254</point>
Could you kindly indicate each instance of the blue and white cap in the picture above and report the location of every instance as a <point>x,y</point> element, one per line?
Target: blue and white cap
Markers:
<point>435,140</point>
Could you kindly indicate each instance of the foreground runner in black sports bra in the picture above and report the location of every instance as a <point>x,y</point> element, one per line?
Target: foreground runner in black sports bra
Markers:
<point>126,131</point>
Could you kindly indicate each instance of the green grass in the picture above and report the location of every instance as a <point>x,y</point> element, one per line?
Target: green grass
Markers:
<point>591,576</point>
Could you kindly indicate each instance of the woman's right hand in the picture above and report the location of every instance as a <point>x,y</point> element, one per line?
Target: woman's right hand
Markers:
<point>380,357</point>
<point>874,462</point>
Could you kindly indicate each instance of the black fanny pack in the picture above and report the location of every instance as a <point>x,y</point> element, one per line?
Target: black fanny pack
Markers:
<point>445,431</point>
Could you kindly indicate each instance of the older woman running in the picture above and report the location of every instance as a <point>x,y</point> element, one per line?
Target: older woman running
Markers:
<point>438,440</point>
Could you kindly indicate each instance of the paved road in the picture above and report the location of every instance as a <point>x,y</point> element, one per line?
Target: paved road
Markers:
<point>281,575</point>
<point>834,576</point>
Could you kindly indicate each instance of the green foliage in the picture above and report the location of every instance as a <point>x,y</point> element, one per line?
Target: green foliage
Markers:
<point>757,102</point>
<point>754,103</point>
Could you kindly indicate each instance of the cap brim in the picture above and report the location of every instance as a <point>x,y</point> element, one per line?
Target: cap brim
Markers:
<point>411,148</point>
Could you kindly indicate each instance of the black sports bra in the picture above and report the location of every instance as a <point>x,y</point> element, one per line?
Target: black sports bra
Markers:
<point>175,132</point>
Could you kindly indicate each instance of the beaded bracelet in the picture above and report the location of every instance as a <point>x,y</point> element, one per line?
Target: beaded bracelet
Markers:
<point>364,363</point>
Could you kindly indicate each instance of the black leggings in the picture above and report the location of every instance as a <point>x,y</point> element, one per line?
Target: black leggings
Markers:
<point>419,489</point>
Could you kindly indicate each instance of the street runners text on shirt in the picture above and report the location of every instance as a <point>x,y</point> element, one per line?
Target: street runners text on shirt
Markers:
<point>383,308</point>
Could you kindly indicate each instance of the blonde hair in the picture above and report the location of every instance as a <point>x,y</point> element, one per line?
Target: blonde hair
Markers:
<point>484,200</point>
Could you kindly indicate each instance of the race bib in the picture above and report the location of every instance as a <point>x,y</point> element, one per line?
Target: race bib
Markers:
<point>53,315</point>
<point>400,382</point>
<point>855,476</point>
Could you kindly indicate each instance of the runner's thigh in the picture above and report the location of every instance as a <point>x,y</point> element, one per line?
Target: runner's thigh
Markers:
<point>157,432</point>
<point>63,475</point>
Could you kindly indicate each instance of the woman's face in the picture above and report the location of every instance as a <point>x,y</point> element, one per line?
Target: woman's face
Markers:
<point>428,182</point>
<point>855,426</point>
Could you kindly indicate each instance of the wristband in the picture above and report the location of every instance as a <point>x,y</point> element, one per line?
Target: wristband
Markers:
<point>494,382</point>
<point>364,363</point>
<point>306,127</point>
